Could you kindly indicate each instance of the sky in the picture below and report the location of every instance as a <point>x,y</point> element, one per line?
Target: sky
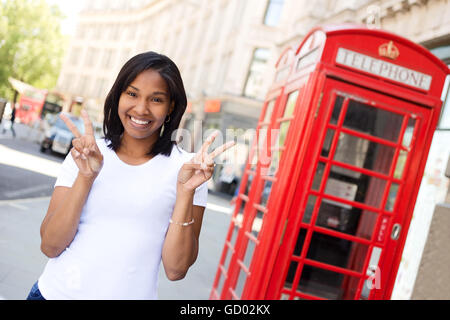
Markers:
<point>70,8</point>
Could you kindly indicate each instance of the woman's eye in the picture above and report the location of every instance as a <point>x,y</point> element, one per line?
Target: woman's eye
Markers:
<point>131,94</point>
<point>156,100</point>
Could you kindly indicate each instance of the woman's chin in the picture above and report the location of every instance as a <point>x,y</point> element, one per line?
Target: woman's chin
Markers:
<point>142,135</point>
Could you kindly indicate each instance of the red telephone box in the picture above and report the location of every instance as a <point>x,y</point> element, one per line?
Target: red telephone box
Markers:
<point>331,181</point>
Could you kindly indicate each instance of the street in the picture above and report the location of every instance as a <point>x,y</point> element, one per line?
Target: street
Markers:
<point>26,183</point>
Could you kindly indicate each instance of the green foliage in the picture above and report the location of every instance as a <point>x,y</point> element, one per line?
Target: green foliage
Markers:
<point>31,44</point>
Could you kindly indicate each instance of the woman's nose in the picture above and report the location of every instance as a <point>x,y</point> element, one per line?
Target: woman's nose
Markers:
<point>141,107</point>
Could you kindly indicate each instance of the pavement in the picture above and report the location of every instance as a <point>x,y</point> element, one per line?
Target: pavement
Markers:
<point>22,262</point>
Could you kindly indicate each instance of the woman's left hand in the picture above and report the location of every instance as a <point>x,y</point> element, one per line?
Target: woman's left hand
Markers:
<point>201,167</point>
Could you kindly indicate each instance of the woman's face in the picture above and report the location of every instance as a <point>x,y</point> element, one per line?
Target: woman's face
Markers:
<point>144,105</point>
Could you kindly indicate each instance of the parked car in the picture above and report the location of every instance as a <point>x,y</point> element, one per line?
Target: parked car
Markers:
<point>58,137</point>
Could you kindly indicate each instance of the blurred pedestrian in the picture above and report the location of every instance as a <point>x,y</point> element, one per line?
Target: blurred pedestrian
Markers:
<point>126,202</point>
<point>10,126</point>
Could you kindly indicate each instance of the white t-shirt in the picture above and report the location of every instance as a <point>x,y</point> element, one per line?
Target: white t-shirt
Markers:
<point>116,252</point>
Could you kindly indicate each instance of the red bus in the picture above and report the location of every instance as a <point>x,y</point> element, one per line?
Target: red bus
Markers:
<point>31,103</point>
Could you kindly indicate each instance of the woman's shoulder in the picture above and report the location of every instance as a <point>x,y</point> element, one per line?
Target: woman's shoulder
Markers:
<point>102,142</point>
<point>178,153</point>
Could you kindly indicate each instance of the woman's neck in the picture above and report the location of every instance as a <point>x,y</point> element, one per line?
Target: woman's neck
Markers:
<point>135,148</point>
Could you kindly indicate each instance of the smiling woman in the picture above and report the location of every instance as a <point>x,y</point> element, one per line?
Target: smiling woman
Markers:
<point>147,81</point>
<point>123,204</point>
<point>135,103</point>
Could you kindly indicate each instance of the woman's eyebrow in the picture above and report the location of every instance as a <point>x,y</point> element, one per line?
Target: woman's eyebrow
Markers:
<point>160,92</point>
<point>156,92</point>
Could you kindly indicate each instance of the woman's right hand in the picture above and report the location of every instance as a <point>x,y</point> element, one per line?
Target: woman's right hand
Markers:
<point>85,151</point>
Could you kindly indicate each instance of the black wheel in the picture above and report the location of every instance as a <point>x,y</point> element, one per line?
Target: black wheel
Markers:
<point>233,187</point>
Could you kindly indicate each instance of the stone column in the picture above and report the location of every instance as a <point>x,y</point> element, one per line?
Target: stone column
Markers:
<point>433,277</point>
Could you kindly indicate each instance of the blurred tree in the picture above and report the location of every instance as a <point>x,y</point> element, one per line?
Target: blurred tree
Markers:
<point>31,44</point>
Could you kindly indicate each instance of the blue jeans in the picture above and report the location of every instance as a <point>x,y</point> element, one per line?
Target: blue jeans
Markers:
<point>35,294</point>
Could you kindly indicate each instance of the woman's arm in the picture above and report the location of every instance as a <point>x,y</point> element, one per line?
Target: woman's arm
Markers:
<point>180,247</point>
<point>63,216</point>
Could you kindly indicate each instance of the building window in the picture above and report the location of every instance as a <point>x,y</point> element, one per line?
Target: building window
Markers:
<point>237,16</point>
<point>100,89</point>
<point>256,73</point>
<point>83,86</point>
<point>273,12</point>
<point>114,32</point>
<point>131,34</point>
<point>222,73</point>
<point>91,57</point>
<point>443,53</point>
<point>100,5</point>
<point>108,58</point>
<point>444,121</point>
<point>66,82</point>
<point>124,56</point>
<point>80,30</point>
<point>97,32</point>
<point>74,56</point>
<point>115,4</point>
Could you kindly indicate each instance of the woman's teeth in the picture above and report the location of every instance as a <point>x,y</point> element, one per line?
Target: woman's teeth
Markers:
<point>139,121</point>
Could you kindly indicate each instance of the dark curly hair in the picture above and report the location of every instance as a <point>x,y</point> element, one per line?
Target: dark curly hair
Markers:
<point>112,126</point>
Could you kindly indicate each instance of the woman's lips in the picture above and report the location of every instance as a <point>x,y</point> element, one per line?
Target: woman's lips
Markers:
<point>139,123</point>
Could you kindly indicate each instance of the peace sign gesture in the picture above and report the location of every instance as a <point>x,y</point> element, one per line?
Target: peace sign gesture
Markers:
<point>201,167</point>
<point>85,151</point>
